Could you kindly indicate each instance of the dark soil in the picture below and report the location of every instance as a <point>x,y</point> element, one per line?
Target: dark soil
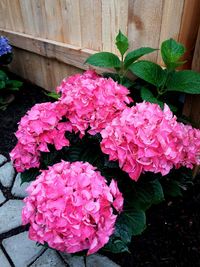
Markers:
<point>24,100</point>
<point>172,238</point>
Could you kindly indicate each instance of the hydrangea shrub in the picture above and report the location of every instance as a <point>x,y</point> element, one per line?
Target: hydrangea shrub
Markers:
<point>100,161</point>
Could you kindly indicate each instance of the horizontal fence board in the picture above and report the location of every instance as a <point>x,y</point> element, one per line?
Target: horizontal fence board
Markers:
<point>48,76</point>
<point>65,53</point>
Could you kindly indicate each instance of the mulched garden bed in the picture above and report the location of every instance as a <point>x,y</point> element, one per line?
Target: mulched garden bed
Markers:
<point>172,238</point>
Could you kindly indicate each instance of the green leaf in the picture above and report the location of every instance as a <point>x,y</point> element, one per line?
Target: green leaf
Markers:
<point>147,95</point>
<point>115,245</point>
<point>127,82</point>
<point>111,75</point>
<point>29,175</point>
<point>73,153</point>
<point>171,52</point>
<point>185,81</point>
<point>149,71</point>
<point>14,84</point>
<point>135,54</point>
<point>172,188</point>
<point>3,76</point>
<point>48,159</point>
<point>104,60</point>
<point>177,181</point>
<point>54,95</point>
<point>147,194</point>
<point>121,43</point>
<point>133,220</point>
<point>2,85</point>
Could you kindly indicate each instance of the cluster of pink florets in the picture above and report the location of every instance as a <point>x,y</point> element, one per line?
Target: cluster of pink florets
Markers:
<point>88,102</point>
<point>38,128</point>
<point>146,138</point>
<point>70,206</point>
<point>92,101</point>
<point>141,138</point>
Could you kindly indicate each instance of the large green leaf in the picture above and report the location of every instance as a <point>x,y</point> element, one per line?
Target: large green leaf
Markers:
<point>185,81</point>
<point>14,84</point>
<point>73,153</point>
<point>115,245</point>
<point>2,85</point>
<point>171,52</point>
<point>177,181</point>
<point>29,175</point>
<point>135,54</point>
<point>121,43</point>
<point>146,194</point>
<point>53,95</point>
<point>147,95</point>
<point>172,188</point>
<point>149,71</point>
<point>129,223</point>
<point>3,76</point>
<point>104,59</point>
<point>133,220</point>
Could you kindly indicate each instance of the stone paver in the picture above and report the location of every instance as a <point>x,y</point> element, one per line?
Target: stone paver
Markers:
<point>3,260</point>
<point>99,261</point>
<point>2,159</point>
<point>7,174</point>
<point>2,198</point>
<point>73,261</point>
<point>19,190</point>
<point>21,249</point>
<point>10,215</point>
<point>49,259</point>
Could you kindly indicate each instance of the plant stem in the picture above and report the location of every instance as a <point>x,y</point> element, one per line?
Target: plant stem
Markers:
<point>121,75</point>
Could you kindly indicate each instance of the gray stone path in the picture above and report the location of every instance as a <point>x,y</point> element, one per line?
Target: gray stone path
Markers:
<point>16,249</point>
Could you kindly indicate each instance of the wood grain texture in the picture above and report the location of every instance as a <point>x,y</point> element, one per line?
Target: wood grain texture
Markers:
<point>189,28</point>
<point>90,15</point>
<point>71,22</point>
<point>196,57</point>
<point>144,22</point>
<point>45,78</point>
<point>54,20</point>
<point>171,22</point>
<point>114,18</point>
<point>65,53</point>
<point>27,16</point>
<point>16,21</point>
<point>5,20</point>
<point>192,103</point>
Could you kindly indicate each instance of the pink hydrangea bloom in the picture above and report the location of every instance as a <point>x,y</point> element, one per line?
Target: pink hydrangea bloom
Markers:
<point>39,127</point>
<point>92,101</point>
<point>70,207</point>
<point>145,138</point>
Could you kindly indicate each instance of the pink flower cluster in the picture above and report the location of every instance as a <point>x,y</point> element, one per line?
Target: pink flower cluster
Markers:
<point>145,138</point>
<point>87,101</point>
<point>70,207</point>
<point>92,101</point>
<point>41,126</point>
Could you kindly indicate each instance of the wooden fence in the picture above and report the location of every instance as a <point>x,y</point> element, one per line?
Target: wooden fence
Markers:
<point>52,38</point>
